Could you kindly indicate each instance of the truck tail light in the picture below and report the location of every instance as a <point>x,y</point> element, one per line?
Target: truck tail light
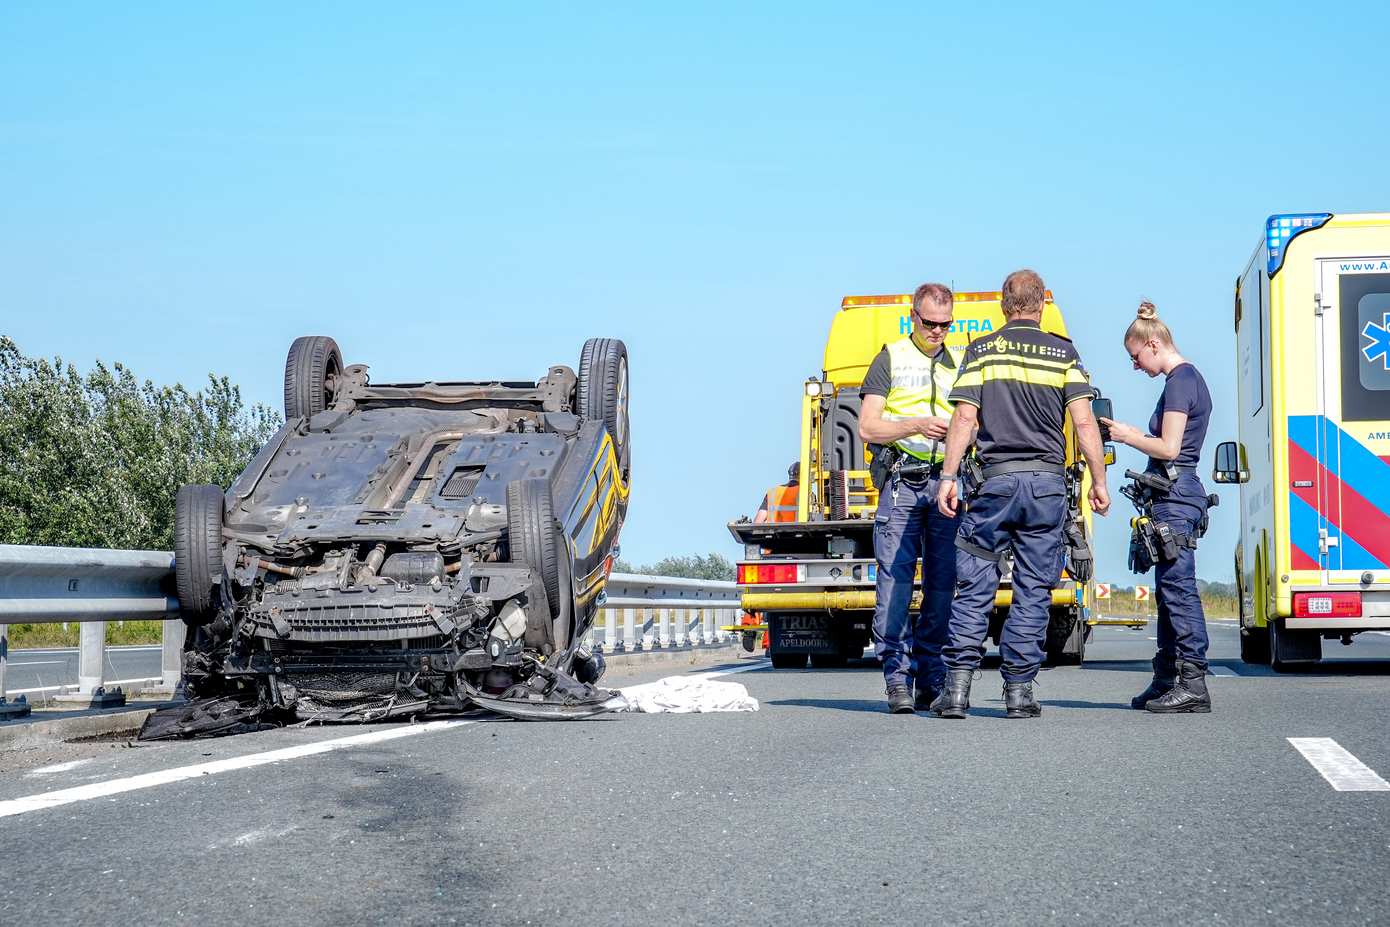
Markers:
<point>750,574</point>
<point>1327,605</point>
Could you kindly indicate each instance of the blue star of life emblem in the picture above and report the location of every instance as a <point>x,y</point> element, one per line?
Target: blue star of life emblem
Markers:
<point>1378,341</point>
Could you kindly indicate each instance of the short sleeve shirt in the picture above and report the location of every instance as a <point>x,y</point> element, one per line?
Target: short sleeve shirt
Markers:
<point>1021,379</point>
<point>879,378</point>
<point>1184,391</point>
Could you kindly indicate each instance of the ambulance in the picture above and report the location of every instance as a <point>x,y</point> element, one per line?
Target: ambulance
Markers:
<point>1312,323</point>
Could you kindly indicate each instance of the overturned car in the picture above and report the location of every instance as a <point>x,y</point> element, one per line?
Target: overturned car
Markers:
<point>411,547</point>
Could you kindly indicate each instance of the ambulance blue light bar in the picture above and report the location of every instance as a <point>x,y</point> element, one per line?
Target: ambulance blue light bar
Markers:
<point>1280,230</point>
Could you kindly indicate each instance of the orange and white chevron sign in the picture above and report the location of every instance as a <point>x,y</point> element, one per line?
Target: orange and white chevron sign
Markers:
<point>1102,590</point>
<point>1141,593</point>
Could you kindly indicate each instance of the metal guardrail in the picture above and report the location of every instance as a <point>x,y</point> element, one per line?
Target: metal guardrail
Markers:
<point>640,613</point>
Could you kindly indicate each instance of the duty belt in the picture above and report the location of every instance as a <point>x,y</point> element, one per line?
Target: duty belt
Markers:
<point>1022,466</point>
<point>918,473</point>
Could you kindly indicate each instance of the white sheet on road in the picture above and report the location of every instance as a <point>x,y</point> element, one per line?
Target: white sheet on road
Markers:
<point>683,695</point>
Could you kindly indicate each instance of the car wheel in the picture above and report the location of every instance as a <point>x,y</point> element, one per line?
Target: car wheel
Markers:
<point>601,391</point>
<point>829,660</point>
<point>197,550</point>
<point>531,534</point>
<point>1066,638</point>
<point>311,370</point>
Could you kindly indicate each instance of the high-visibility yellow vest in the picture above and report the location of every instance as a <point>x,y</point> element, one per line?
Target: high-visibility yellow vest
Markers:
<point>920,386</point>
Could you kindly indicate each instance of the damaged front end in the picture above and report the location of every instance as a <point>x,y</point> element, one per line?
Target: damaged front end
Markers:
<point>405,550</point>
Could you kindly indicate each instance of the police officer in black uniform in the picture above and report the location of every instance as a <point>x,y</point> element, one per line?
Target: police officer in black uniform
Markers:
<point>1016,386</point>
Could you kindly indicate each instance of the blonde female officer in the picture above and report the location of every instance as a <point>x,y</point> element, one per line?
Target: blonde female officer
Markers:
<point>1175,435</point>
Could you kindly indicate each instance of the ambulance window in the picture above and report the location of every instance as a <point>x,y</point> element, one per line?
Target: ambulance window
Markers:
<point>1365,311</point>
<point>1250,340</point>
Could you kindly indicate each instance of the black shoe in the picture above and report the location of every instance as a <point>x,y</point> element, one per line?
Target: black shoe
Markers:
<point>900,700</point>
<point>925,696</point>
<point>1019,701</point>
<point>954,700</point>
<point>1164,679</point>
<point>1188,696</point>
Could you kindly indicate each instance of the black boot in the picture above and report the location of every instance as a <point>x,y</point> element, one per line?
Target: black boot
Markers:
<point>925,696</point>
<point>1019,701</point>
<point>954,700</point>
<point>900,700</point>
<point>1164,679</point>
<point>1189,695</point>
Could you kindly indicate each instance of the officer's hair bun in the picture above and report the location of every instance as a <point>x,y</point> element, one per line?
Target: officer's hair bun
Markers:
<point>1147,311</point>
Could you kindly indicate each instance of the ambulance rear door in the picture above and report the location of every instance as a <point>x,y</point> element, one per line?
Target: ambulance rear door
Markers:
<point>1344,451</point>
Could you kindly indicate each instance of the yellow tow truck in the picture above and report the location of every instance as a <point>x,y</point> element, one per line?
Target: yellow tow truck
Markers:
<point>813,578</point>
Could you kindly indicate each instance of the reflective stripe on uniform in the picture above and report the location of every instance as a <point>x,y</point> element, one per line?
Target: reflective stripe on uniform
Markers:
<point>781,503</point>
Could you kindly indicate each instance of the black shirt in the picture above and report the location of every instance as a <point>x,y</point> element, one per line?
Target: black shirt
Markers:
<point>1184,391</point>
<point>1021,379</point>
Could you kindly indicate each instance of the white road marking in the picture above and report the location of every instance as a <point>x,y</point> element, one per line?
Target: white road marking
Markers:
<point>1344,772</point>
<point>165,776</point>
<point>63,688</point>
<point>1222,671</point>
<point>54,799</point>
<point>14,662</point>
<point>55,768</point>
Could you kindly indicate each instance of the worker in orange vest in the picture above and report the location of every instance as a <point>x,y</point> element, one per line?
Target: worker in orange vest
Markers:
<point>780,502</point>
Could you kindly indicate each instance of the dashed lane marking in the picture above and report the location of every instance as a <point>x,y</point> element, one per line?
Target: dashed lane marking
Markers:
<point>165,776</point>
<point>1343,771</point>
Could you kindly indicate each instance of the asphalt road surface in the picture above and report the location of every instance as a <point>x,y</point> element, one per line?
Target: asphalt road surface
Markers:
<point>819,808</point>
<point>29,670</point>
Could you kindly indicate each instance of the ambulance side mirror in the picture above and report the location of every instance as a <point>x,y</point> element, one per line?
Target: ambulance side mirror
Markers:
<point>1230,464</point>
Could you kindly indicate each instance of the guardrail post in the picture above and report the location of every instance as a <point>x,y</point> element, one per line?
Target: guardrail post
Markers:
<point>702,624</point>
<point>611,641</point>
<point>171,653</point>
<point>91,657</point>
<point>629,639</point>
<point>682,616</point>
<point>4,656</point>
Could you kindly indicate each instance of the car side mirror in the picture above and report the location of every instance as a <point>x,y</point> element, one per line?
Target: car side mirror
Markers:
<point>1109,454</point>
<point>1231,466</point>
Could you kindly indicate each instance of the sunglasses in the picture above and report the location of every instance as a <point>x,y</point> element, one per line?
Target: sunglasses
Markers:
<point>929,324</point>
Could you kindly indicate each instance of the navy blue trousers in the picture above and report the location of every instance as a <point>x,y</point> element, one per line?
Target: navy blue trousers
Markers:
<point>1182,625</point>
<point>908,530</point>
<point>1025,511</point>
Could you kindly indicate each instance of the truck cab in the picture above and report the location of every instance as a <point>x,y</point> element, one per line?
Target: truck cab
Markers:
<point>813,579</point>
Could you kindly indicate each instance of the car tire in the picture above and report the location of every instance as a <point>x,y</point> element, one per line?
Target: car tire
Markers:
<point>601,391</point>
<point>198,551</point>
<point>531,534</point>
<point>311,368</point>
<point>829,660</point>
<point>789,661</point>
<point>1066,647</point>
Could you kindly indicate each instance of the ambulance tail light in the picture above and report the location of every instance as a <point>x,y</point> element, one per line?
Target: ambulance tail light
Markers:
<point>753,574</point>
<point>1281,229</point>
<point>1327,605</point>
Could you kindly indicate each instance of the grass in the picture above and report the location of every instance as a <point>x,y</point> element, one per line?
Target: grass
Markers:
<point>1120,603</point>
<point>58,635</point>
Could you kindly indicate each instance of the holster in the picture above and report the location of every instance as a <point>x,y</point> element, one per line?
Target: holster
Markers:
<point>881,467</point>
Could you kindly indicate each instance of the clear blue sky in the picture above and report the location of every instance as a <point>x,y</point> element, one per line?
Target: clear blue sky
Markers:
<point>467,191</point>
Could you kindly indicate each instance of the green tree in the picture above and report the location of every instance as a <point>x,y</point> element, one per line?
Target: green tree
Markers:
<point>710,566</point>
<point>96,460</point>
